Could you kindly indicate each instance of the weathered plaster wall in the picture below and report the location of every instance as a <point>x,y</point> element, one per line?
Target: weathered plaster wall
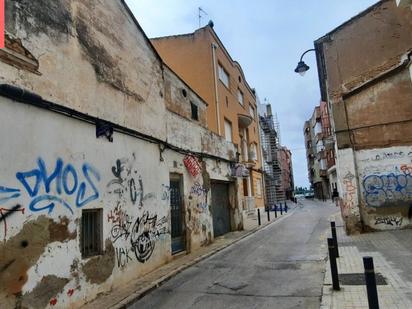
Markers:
<point>378,189</point>
<point>348,189</point>
<point>91,57</point>
<point>385,178</point>
<point>66,170</point>
<point>45,187</point>
<point>380,115</point>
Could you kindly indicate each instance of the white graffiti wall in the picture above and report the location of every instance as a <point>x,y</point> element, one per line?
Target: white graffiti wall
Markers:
<point>378,188</point>
<point>52,169</point>
<point>385,177</point>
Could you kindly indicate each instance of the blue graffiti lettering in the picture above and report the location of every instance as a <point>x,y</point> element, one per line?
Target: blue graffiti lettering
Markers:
<point>80,200</point>
<point>381,189</point>
<point>50,206</point>
<point>46,188</point>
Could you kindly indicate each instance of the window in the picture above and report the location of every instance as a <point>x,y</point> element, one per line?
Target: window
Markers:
<point>228,130</point>
<point>195,115</point>
<point>253,152</point>
<point>251,111</point>
<point>224,76</point>
<point>91,232</point>
<point>258,187</point>
<point>240,96</point>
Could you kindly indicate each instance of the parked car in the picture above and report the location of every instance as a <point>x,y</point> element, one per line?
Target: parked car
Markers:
<point>310,194</point>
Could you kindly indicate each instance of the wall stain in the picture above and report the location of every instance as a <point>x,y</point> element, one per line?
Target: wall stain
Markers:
<point>48,288</point>
<point>19,253</point>
<point>105,65</point>
<point>98,269</point>
<point>52,18</point>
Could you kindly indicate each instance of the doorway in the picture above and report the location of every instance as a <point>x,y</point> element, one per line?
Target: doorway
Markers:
<point>176,213</point>
<point>220,208</point>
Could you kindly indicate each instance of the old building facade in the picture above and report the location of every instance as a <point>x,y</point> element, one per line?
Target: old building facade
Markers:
<point>370,102</point>
<point>287,172</point>
<point>315,141</point>
<point>203,62</point>
<point>113,167</point>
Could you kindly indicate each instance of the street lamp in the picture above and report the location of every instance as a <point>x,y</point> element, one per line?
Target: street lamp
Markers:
<point>302,66</point>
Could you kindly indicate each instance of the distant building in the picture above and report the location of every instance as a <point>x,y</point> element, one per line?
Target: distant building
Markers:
<point>365,76</point>
<point>287,171</point>
<point>328,147</point>
<point>316,155</point>
<point>202,61</point>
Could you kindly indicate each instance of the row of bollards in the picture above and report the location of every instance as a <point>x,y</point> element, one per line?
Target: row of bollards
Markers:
<point>285,208</point>
<point>370,279</point>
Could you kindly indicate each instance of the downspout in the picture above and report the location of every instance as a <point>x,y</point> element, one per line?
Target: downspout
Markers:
<point>214,47</point>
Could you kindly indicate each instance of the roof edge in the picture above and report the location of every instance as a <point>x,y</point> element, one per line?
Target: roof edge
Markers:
<point>351,20</point>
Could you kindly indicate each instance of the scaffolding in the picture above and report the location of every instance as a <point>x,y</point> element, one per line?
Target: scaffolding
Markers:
<point>270,139</point>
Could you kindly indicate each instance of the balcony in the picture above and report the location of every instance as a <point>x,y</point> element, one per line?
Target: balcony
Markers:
<point>248,203</point>
<point>321,155</point>
<point>244,120</point>
<point>319,136</point>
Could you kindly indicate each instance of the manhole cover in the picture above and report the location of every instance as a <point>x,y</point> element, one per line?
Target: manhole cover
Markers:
<point>359,279</point>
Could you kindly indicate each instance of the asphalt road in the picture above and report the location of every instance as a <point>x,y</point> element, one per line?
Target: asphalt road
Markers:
<point>281,266</point>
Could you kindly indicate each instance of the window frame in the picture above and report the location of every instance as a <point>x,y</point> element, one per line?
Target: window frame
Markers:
<point>240,95</point>
<point>97,233</point>
<point>222,72</point>
<point>194,108</point>
<point>227,121</point>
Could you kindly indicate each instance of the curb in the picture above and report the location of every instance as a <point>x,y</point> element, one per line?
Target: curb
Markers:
<point>157,283</point>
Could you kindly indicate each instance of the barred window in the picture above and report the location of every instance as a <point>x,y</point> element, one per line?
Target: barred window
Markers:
<point>91,232</point>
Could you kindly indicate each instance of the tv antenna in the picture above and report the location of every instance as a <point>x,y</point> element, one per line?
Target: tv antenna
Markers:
<point>201,11</point>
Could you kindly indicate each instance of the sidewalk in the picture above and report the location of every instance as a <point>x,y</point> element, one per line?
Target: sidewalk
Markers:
<point>392,257</point>
<point>136,289</point>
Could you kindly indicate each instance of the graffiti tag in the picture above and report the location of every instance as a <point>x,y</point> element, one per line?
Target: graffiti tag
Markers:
<point>47,188</point>
<point>393,221</point>
<point>381,189</point>
<point>144,234</point>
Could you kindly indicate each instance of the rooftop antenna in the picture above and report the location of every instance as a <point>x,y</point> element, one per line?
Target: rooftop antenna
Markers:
<point>201,11</point>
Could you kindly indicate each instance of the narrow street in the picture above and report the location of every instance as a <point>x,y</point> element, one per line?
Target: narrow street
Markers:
<point>281,266</point>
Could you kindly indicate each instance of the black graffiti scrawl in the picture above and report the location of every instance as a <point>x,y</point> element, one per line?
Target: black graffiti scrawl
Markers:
<point>144,234</point>
<point>127,184</point>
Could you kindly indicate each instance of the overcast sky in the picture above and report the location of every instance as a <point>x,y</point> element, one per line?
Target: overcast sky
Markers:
<point>267,38</point>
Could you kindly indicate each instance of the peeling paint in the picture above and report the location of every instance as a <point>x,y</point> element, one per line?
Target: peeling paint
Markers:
<point>41,295</point>
<point>99,268</point>
<point>22,251</point>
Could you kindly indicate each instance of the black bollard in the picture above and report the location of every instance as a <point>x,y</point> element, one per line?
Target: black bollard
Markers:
<point>286,208</point>
<point>268,210</point>
<point>259,216</point>
<point>276,211</point>
<point>335,239</point>
<point>281,209</point>
<point>370,282</point>
<point>333,265</point>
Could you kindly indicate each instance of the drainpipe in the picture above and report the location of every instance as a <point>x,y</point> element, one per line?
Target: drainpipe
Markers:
<point>214,47</point>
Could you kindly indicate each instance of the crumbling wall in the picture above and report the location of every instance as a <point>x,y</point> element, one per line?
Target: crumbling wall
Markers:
<point>48,178</point>
<point>385,180</point>
<point>93,56</point>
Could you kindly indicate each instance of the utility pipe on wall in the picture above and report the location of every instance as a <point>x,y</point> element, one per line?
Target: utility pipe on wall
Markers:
<point>214,47</point>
